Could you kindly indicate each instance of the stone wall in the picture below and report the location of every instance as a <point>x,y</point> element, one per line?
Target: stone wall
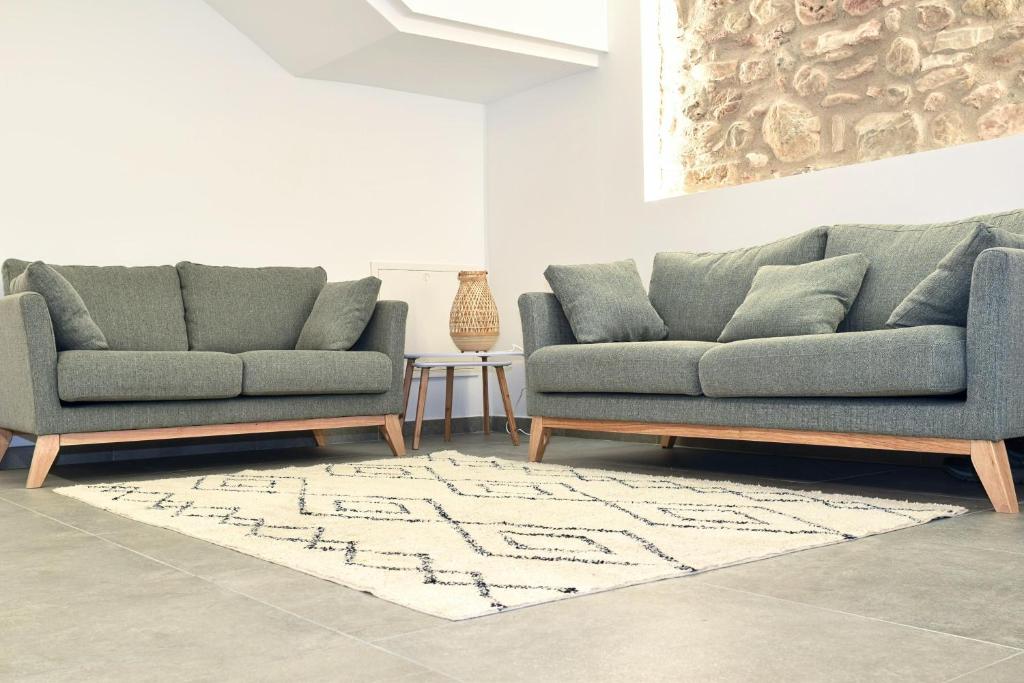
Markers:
<point>756,89</point>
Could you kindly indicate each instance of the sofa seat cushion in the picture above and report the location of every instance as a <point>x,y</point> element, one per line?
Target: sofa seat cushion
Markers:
<point>137,308</point>
<point>294,373</point>
<point>652,367</point>
<point>913,361</point>
<point>91,376</point>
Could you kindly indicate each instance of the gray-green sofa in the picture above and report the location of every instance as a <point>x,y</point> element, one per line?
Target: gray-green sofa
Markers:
<point>936,388</point>
<point>194,351</point>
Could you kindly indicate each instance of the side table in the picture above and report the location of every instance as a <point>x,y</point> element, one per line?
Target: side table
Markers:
<point>413,363</point>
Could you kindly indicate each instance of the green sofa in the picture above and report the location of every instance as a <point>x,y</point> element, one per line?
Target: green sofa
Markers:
<point>935,388</point>
<point>194,351</point>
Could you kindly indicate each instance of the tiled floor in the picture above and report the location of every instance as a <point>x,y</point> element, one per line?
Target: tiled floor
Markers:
<point>86,595</point>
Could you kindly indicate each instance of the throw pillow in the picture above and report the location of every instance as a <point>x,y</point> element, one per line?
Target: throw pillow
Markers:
<point>786,301</point>
<point>605,302</point>
<point>696,294</point>
<point>339,315</point>
<point>73,327</point>
<point>942,297</point>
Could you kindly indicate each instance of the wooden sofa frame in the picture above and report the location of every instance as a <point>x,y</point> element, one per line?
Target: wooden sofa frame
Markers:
<point>989,457</point>
<point>49,445</point>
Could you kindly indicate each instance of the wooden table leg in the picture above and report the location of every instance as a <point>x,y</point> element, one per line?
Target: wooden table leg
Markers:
<point>449,387</point>
<point>420,407</point>
<point>509,410</point>
<point>410,366</point>
<point>487,397</point>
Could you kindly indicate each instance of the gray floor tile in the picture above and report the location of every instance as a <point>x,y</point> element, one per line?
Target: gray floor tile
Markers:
<point>1007,671</point>
<point>182,552</point>
<point>14,479</point>
<point>898,577</point>
<point>68,510</point>
<point>987,531</point>
<point>78,607</point>
<point>333,605</point>
<point>74,580</point>
<point>186,626</point>
<point>679,630</point>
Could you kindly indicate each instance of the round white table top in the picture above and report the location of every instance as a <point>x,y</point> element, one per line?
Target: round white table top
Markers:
<point>470,354</point>
<point>464,364</point>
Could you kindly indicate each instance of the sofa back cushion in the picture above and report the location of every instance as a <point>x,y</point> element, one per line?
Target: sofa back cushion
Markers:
<point>137,309</point>
<point>901,256</point>
<point>247,309</point>
<point>697,294</point>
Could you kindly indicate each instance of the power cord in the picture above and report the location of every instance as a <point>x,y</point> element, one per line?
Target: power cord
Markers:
<point>508,427</point>
<point>515,406</point>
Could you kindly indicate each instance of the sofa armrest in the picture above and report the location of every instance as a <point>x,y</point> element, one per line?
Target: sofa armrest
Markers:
<point>28,366</point>
<point>544,322</point>
<point>386,333</point>
<point>995,344</point>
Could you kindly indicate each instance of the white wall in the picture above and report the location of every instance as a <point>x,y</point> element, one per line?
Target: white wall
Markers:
<point>149,131</point>
<point>565,183</point>
<point>152,131</point>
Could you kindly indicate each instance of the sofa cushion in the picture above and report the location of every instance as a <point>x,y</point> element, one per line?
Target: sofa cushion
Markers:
<point>942,297</point>
<point>246,309</point>
<point>340,315</point>
<point>84,376</point>
<point>786,301</point>
<point>293,373</point>
<point>138,308</point>
<point>605,302</point>
<point>901,256</point>
<point>656,367</point>
<point>913,361</point>
<point>73,327</point>
<point>697,294</point>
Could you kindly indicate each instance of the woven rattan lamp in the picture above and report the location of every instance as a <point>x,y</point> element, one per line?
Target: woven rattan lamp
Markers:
<point>473,322</point>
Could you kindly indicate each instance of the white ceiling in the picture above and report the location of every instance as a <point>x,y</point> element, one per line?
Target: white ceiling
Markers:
<point>475,50</point>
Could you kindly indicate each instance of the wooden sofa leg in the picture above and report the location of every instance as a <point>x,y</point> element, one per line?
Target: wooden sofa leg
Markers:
<point>993,467</point>
<point>667,441</point>
<point>539,437</point>
<point>393,435</point>
<point>5,442</point>
<point>43,456</point>
<point>320,436</point>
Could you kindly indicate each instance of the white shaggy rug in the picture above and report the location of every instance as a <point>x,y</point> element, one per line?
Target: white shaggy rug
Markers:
<point>459,536</point>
